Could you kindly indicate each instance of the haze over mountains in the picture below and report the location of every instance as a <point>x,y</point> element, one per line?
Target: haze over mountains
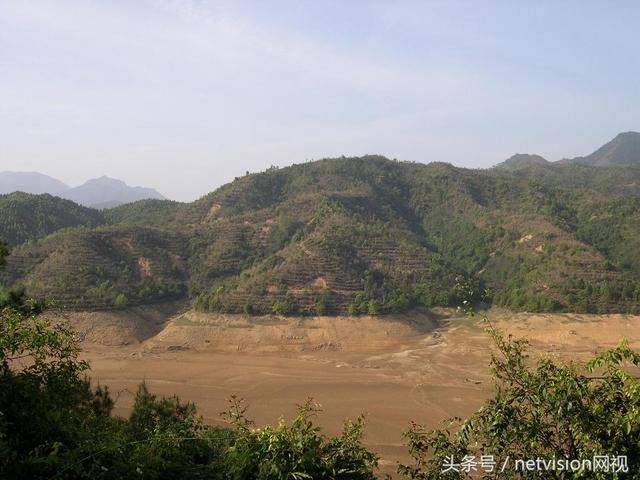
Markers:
<point>30,182</point>
<point>103,192</point>
<point>350,235</point>
<point>624,149</point>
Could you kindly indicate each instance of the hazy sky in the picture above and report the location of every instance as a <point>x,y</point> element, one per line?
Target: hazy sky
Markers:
<point>184,95</point>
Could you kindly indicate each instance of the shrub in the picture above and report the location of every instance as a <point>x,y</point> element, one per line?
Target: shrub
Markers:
<point>320,307</point>
<point>372,307</point>
<point>298,450</point>
<point>4,251</point>
<point>550,410</point>
<point>121,301</point>
<point>284,306</point>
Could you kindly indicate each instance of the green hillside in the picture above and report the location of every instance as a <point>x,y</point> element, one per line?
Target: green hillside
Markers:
<point>101,268</point>
<point>361,235</point>
<point>143,212</point>
<point>522,160</point>
<point>25,216</point>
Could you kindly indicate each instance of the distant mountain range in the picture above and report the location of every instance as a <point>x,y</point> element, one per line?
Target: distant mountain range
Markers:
<point>105,192</point>
<point>624,149</point>
<point>30,182</point>
<point>100,193</point>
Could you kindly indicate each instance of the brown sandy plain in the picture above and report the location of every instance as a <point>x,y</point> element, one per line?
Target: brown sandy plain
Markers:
<point>424,366</point>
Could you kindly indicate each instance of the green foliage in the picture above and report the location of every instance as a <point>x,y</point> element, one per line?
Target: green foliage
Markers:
<point>143,212</point>
<point>546,238</point>
<point>550,410</point>
<point>120,300</point>
<point>321,304</point>
<point>372,307</point>
<point>399,234</point>
<point>92,268</point>
<point>4,251</point>
<point>298,450</point>
<point>284,306</point>
<point>26,217</point>
<point>45,403</point>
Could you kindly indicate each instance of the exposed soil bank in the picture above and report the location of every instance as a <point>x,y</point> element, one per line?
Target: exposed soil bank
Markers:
<point>424,366</point>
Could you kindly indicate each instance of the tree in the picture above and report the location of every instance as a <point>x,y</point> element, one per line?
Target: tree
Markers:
<point>45,404</point>
<point>121,300</point>
<point>4,251</point>
<point>549,410</point>
<point>298,450</point>
<point>372,307</point>
<point>14,298</point>
<point>284,306</point>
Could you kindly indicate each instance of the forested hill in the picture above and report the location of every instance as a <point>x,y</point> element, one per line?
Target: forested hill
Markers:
<point>360,235</point>
<point>24,216</point>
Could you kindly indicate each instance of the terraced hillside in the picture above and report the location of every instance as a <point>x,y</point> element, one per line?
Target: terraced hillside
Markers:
<point>102,268</point>
<point>362,235</point>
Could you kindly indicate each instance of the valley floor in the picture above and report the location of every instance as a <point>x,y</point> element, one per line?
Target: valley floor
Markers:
<point>424,366</point>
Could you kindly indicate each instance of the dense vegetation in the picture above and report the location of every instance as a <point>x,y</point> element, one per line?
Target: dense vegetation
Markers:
<point>142,212</point>
<point>25,217</point>
<point>360,236</point>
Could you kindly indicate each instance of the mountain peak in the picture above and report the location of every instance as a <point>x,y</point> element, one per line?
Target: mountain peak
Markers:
<point>105,192</point>
<point>30,182</point>
<point>629,134</point>
<point>105,180</point>
<point>522,160</point>
<point>624,149</point>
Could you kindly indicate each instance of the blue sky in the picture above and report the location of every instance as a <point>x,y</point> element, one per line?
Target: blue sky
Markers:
<point>184,95</point>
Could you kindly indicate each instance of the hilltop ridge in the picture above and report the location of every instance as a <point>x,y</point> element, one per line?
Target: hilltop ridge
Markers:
<point>360,235</point>
<point>522,160</point>
<point>624,149</point>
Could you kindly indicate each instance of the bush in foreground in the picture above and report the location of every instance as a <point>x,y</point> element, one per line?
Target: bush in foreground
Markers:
<point>54,425</point>
<point>550,410</point>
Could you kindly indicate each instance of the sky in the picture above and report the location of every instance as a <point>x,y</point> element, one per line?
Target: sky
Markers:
<point>185,95</point>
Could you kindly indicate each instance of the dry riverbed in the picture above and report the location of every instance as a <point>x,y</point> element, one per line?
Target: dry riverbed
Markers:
<point>424,366</point>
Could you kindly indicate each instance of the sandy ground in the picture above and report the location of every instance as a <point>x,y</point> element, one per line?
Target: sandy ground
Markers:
<point>425,367</point>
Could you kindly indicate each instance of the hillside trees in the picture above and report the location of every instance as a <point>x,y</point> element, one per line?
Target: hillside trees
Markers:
<point>4,251</point>
<point>25,217</point>
<point>359,230</point>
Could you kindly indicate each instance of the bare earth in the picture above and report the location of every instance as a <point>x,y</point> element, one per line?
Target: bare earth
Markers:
<point>424,366</point>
